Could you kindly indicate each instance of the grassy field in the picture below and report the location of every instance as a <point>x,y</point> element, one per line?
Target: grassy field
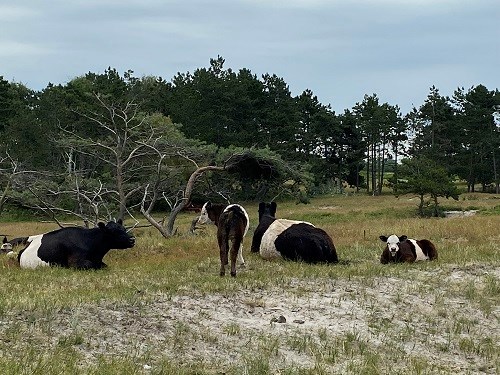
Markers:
<point>161,308</point>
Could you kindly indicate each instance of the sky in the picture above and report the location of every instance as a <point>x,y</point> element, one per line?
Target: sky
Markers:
<point>341,50</point>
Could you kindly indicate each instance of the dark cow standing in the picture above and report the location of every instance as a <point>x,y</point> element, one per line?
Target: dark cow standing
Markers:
<point>79,248</point>
<point>232,225</point>
<point>290,239</point>
<point>403,249</point>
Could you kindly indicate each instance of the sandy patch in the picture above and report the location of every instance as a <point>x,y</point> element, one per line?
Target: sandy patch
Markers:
<point>383,314</point>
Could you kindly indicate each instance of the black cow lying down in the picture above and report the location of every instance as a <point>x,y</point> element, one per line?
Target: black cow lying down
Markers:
<point>290,239</point>
<point>75,247</point>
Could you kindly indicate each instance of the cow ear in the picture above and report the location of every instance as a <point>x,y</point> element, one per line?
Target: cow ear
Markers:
<point>273,208</point>
<point>5,239</point>
<point>262,206</point>
<point>403,238</point>
<point>209,204</point>
<point>383,238</point>
<point>119,221</point>
<point>101,225</point>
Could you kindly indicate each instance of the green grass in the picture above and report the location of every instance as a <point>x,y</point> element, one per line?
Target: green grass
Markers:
<point>450,298</point>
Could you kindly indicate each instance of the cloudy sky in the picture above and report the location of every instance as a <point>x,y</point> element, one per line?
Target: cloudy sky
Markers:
<point>339,49</point>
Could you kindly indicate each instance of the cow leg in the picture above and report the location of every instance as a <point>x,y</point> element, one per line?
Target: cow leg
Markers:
<point>235,252</point>
<point>241,261</point>
<point>84,264</point>
<point>223,250</point>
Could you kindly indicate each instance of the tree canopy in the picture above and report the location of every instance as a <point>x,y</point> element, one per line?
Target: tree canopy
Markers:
<point>102,138</point>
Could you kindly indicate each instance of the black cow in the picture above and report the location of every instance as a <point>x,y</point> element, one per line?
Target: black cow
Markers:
<point>75,247</point>
<point>403,249</point>
<point>290,239</point>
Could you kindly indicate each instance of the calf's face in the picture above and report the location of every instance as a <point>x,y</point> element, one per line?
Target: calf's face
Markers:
<point>204,217</point>
<point>393,242</point>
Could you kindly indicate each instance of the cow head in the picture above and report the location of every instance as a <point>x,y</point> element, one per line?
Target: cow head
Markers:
<point>267,209</point>
<point>117,235</point>
<point>393,242</point>
<point>205,214</point>
<point>6,246</point>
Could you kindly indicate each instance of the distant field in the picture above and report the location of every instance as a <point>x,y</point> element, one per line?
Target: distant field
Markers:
<point>161,308</point>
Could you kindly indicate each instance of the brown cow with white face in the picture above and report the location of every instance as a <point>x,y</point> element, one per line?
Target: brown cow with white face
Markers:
<point>400,249</point>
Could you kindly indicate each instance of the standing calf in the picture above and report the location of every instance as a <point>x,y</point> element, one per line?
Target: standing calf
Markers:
<point>232,225</point>
<point>402,249</point>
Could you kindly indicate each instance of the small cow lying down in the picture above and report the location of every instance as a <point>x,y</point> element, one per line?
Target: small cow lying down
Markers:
<point>79,248</point>
<point>290,239</point>
<point>403,249</point>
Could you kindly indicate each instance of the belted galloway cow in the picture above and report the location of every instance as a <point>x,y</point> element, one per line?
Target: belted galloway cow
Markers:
<point>291,239</point>
<point>79,248</point>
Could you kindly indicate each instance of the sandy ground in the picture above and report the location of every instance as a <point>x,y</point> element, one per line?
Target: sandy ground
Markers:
<point>388,316</point>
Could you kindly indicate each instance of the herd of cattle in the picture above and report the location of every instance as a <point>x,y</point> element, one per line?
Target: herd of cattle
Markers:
<point>273,238</point>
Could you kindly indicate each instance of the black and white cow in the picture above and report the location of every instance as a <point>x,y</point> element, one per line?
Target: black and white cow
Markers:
<point>290,239</point>
<point>232,225</point>
<point>403,249</point>
<point>79,248</point>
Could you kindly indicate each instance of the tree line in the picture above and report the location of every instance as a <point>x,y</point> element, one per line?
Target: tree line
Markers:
<point>114,142</point>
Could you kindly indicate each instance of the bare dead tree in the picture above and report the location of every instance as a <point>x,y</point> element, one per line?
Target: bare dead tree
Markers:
<point>10,171</point>
<point>177,202</point>
<point>128,140</point>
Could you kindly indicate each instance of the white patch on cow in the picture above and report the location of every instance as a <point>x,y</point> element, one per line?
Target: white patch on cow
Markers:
<point>418,251</point>
<point>29,257</point>
<point>244,212</point>
<point>240,259</point>
<point>267,248</point>
<point>204,219</point>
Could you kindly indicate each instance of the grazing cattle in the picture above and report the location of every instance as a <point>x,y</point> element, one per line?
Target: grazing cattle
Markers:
<point>232,225</point>
<point>79,248</point>
<point>290,239</point>
<point>403,249</point>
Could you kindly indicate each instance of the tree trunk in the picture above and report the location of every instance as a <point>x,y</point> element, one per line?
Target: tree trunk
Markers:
<point>395,168</point>
<point>3,198</point>
<point>368,171</point>
<point>421,205</point>
<point>374,168</point>
<point>495,173</point>
<point>168,230</point>
<point>382,167</point>
<point>435,198</point>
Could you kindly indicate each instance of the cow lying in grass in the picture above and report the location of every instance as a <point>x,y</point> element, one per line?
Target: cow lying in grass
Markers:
<point>402,249</point>
<point>79,248</point>
<point>290,239</point>
<point>232,225</point>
